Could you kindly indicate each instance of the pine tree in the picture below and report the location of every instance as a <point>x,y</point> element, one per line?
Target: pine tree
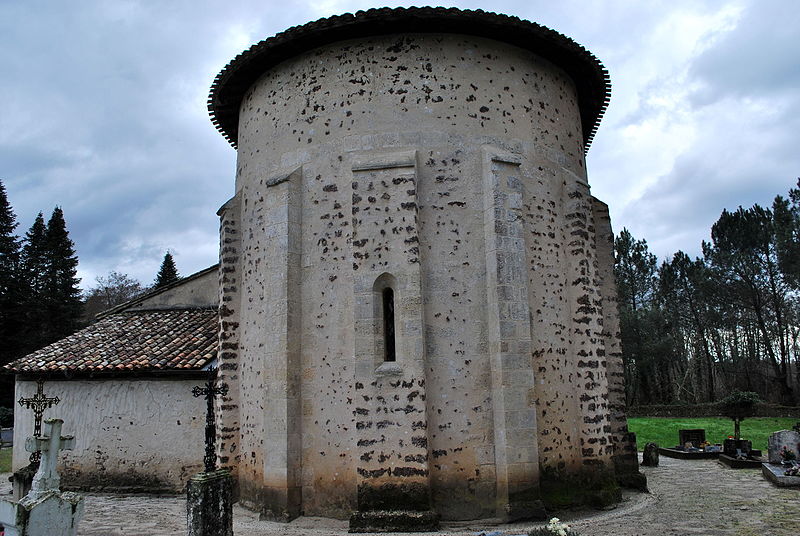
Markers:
<point>168,273</point>
<point>11,294</point>
<point>62,297</point>
<point>34,257</point>
<point>33,265</point>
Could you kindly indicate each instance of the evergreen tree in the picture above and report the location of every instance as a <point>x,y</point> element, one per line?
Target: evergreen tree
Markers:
<point>34,258</point>
<point>168,273</point>
<point>11,294</point>
<point>62,297</point>
<point>787,235</point>
<point>744,253</point>
<point>33,268</point>
<point>641,323</point>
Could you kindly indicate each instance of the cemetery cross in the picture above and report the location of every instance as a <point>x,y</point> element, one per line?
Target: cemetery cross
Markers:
<point>38,403</point>
<point>47,478</point>
<point>210,391</point>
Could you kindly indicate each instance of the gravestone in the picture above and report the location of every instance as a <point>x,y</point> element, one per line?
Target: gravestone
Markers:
<point>6,437</point>
<point>650,455</point>
<point>45,510</point>
<point>696,437</point>
<point>788,439</point>
<point>737,447</point>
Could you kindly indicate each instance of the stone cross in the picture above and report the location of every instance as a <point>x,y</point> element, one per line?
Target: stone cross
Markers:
<point>210,391</point>
<point>47,478</point>
<point>38,403</point>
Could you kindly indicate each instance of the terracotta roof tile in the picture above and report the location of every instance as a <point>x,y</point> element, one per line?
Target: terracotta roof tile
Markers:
<point>183,339</point>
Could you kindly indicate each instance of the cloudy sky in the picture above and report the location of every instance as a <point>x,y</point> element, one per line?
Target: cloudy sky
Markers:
<point>104,114</point>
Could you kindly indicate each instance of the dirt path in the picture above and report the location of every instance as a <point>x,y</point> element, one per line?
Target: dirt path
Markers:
<point>688,498</point>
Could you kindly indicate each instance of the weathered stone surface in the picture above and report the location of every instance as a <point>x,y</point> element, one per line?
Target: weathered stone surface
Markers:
<point>22,479</point>
<point>209,504</point>
<point>45,510</point>
<point>776,473</point>
<point>51,513</point>
<point>781,439</point>
<point>449,169</point>
<point>650,455</point>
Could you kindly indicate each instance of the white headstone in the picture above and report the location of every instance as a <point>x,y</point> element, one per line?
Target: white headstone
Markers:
<point>50,443</point>
<point>45,510</point>
<point>788,439</point>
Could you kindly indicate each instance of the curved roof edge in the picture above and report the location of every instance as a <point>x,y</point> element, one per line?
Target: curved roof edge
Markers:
<point>588,73</point>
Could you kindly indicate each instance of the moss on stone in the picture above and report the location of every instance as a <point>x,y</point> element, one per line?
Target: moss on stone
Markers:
<point>596,489</point>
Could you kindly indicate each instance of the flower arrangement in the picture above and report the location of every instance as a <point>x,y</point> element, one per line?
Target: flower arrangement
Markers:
<point>554,527</point>
<point>786,454</point>
<point>793,471</point>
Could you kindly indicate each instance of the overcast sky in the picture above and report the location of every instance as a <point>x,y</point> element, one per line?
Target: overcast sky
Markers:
<point>104,114</point>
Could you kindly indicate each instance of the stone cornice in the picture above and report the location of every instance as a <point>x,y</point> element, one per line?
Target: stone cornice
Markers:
<point>590,77</point>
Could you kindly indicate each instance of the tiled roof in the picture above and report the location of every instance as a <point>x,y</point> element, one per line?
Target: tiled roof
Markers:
<point>144,341</point>
<point>590,77</point>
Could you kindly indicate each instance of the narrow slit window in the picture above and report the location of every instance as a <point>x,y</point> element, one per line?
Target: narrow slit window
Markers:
<point>388,324</point>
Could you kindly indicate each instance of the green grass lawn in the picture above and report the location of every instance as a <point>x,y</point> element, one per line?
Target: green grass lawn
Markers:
<point>664,430</point>
<point>5,460</point>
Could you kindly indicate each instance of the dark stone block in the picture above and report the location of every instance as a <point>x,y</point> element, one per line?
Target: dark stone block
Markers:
<point>730,446</point>
<point>394,521</point>
<point>391,496</point>
<point>209,504</point>
<point>650,455</point>
<point>635,481</point>
<point>695,436</point>
<point>524,504</point>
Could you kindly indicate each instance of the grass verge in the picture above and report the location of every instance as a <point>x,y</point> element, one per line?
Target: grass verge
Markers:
<point>5,460</point>
<point>664,430</point>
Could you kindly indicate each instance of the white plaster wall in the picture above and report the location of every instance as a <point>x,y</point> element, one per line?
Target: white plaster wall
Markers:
<point>129,434</point>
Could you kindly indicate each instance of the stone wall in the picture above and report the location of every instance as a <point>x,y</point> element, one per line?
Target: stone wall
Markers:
<point>450,169</point>
<point>130,435</point>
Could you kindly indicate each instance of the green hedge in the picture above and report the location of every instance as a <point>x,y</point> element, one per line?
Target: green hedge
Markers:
<point>708,410</point>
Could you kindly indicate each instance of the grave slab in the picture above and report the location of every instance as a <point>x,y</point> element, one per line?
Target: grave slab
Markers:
<point>736,463</point>
<point>774,473</point>
<point>687,455</point>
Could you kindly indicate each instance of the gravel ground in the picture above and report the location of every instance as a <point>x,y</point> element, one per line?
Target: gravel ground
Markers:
<point>699,497</point>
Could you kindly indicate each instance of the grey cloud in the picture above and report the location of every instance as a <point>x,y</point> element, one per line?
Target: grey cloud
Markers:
<point>757,58</point>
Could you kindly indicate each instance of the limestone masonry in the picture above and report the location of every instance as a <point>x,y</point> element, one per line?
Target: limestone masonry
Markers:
<point>417,300</point>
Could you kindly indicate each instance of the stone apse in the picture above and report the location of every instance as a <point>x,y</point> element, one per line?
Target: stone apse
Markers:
<point>417,297</point>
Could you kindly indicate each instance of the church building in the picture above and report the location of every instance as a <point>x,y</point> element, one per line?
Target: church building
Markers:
<point>417,298</point>
<point>416,303</point>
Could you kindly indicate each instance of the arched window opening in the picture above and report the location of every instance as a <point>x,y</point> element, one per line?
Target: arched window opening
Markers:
<point>388,325</point>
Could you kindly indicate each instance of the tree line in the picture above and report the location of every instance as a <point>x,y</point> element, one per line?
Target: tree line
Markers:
<point>40,298</point>
<point>694,330</point>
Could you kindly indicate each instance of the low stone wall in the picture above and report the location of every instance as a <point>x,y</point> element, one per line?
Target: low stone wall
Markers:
<point>708,410</point>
